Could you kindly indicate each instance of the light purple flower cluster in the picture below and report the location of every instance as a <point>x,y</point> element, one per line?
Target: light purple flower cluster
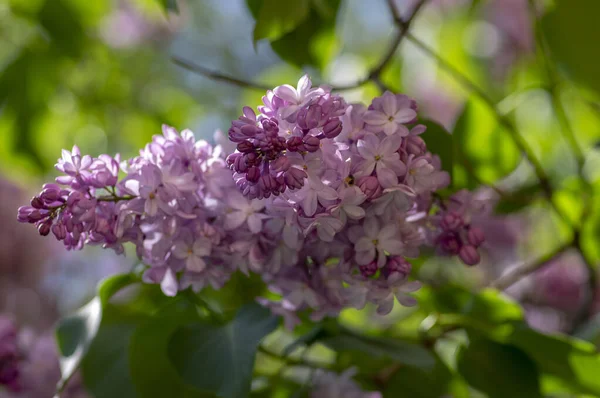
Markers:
<point>325,200</point>
<point>454,234</point>
<point>331,385</point>
<point>29,366</point>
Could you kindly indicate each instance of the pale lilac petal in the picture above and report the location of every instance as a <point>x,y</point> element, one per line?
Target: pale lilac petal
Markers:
<point>309,203</point>
<point>354,212</point>
<point>327,193</point>
<point>392,246</point>
<point>195,264</point>
<point>406,300</point>
<point>375,118</point>
<point>304,85</point>
<point>287,93</point>
<point>365,257</point>
<point>389,103</point>
<point>363,244</point>
<point>386,177</point>
<point>234,220</point>
<point>386,306</point>
<point>254,223</point>
<point>169,284</point>
<point>387,232</point>
<point>390,144</point>
<point>405,115</point>
<point>371,227</point>
<point>390,128</point>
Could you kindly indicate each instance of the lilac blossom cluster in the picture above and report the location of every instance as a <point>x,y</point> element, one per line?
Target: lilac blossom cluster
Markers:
<point>331,385</point>
<point>29,366</point>
<point>325,200</point>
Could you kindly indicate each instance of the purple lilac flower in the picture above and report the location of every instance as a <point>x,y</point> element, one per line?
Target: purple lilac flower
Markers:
<point>325,200</point>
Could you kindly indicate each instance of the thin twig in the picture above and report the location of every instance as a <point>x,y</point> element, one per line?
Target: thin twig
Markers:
<point>519,141</point>
<point>569,135</point>
<point>374,74</point>
<point>211,74</point>
<point>510,278</point>
<point>289,361</point>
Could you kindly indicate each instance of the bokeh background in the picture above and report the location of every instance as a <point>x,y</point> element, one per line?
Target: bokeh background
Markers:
<point>100,74</point>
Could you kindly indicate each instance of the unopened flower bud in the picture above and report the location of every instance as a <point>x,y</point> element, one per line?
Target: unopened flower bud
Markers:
<point>44,228</point>
<point>369,269</point>
<point>451,221</point>
<point>398,264</point>
<point>245,146</point>
<point>280,164</point>
<point>475,236</point>
<point>253,174</point>
<point>294,144</point>
<point>332,128</point>
<point>37,202</point>
<point>370,186</point>
<point>311,143</point>
<point>469,255</point>
<point>294,178</point>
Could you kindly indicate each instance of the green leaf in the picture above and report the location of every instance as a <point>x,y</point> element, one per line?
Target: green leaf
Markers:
<point>418,383</point>
<point>312,41</point>
<point>105,367</point>
<point>439,142</point>
<point>575,362</point>
<point>221,358</point>
<point>169,5</point>
<point>487,305</point>
<point>483,150</point>
<point>151,371</point>
<point>572,33</point>
<point>277,18</point>
<point>400,351</point>
<point>76,332</point>
<point>498,370</point>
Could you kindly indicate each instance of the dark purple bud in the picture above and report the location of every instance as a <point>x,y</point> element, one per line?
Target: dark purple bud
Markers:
<point>475,236</point>
<point>369,269</point>
<point>398,264</point>
<point>30,214</point>
<point>309,117</point>
<point>44,228</point>
<point>469,255</point>
<point>332,128</point>
<point>37,202</point>
<point>280,164</point>
<point>450,243</point>
<point>294,144</point>
<point>271,127</point>
<point>252,159</point>
<point>59,231</point>
<point>245,146</point>
<point>50,194</point>
<point>451,221</point>
<point>267,183</point>
<point>294,178</point>
<point>370,186</point>
<point>249,130</point>
<point>240,165</point>
<point>311,143</point>
<point>253,174</point>
<point>231,159</point>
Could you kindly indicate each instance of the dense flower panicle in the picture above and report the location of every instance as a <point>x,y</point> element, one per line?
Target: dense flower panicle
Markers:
<point>325,200</point>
